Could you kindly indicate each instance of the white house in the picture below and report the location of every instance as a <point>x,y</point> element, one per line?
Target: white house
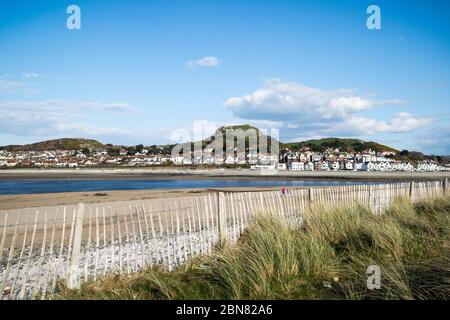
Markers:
<point>230,160</point>
<point>177,160</point>
<point>297,166</point>
<point>335,165</point>
<point>303,157</point>
<point>309,166</point>
<point>241,159</point>
<point>349,165</point>
<point>324,166</point>
<point>73,164</point>
<point>252,158</point>
<point>262,167</point>
<point>428,166</point>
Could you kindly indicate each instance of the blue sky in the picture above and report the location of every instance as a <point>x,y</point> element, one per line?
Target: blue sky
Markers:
<point>138,70</point>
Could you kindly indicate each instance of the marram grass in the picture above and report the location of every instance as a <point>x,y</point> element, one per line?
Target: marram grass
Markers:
<point>326,258</point>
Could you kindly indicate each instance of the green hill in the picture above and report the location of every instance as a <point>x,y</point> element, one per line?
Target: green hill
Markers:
<point>58,144</point>
<point>245,127</point>
<point>343,144</point>
<point>222,131</point>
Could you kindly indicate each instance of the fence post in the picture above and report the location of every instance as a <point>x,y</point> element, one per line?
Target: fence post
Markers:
<point>411,189</point>
<point>220,215</point>
<point>445,186</point>
<point>310,198</point>
<point>73,281</point>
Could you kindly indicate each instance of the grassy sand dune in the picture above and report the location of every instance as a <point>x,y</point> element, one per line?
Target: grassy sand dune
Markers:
<point>326,258</point>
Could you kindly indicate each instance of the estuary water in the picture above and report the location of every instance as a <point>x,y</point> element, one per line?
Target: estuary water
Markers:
<point>32,186</point>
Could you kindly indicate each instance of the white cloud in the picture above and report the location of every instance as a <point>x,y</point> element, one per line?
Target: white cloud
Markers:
<point>66,107</point>
<point>12,86</point>
<point>115,107</point>
<point>53,117</point>
<point>278,100</point>
<point>305,111</point>
<point>390,102</point>
<point>33,75</point>
<point>208,62</point>
<point>402,122</point>
<point>89,130</point>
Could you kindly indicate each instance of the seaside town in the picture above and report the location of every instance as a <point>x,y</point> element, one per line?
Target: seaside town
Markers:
<point>139,156</point>
<point>211,159</point>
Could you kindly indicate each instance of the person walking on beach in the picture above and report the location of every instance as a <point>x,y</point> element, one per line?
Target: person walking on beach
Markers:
<point>283,190</point>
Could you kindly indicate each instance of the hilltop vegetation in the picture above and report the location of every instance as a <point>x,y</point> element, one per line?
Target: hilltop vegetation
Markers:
<point>260,135</point>
<point>342,144</point>
<point>58,144</point>
<point>326,258</point>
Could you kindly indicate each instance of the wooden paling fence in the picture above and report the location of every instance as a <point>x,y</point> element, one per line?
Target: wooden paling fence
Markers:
<point>43,247</point>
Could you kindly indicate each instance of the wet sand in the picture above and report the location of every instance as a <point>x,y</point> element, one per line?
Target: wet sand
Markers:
<point>8,202</point>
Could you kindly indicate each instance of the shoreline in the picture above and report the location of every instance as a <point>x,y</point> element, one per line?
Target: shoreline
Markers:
<point>216,174</point>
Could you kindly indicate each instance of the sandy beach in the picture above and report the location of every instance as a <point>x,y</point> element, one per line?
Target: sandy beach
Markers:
<point>8,202</point>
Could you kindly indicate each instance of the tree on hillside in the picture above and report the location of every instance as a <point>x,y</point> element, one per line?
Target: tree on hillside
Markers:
<point>167,149</point>
<point>131,151</point>
<point>404,152</point>
<point>358,147</point>
<point>113,152</point>
<point>139,148</point>
<point>86,151</point>
<point>153,149</point>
